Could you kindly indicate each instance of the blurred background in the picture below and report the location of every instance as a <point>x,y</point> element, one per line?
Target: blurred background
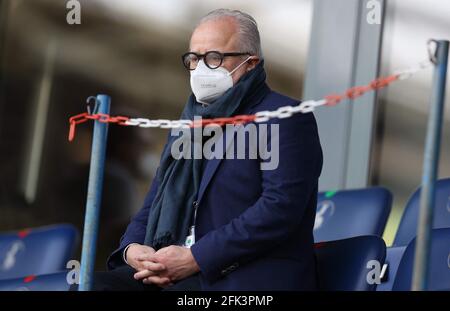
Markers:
<point>131,51</point>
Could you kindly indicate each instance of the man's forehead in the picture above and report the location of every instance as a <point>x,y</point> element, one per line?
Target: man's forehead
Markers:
<point>219,34</point>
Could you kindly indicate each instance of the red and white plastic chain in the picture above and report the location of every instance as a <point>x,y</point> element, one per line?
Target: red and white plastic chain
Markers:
<point>261,116</point>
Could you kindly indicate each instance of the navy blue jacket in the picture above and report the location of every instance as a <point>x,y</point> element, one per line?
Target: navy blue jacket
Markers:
<point>254,228</point>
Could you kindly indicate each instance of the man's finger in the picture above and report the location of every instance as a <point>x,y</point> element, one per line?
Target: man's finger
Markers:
<point>143,274</point>
<point>146,257</point>
<point>153,266</point>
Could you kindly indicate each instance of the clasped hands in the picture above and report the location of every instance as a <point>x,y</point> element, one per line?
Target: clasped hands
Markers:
<point>162,267</point>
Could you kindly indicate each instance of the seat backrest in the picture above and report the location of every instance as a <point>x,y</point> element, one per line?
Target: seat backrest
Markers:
<point>439,263</point>
<point>46,282</point>
<point>393,257</point>
<point>346,264</point>
<point>441,218</point>
<point>349,213</point>
<point>36,251</point>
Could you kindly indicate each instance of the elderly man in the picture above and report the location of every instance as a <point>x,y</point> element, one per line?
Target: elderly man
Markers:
<point>226,224</point>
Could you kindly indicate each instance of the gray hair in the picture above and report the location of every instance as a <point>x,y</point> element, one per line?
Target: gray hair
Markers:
<point>250,40</point>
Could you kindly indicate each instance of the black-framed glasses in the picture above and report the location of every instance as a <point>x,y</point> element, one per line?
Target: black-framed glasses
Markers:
<point>212,59</point>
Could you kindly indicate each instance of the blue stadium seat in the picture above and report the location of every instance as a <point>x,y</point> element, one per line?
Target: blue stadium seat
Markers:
<point>439,265</point>
<point>343,265</point>
<point>36,251</point>
<point>441,219</point>
<point>408,227</point>
<point>393,257</point>
<point>349,213</point>
<point>48,282</point>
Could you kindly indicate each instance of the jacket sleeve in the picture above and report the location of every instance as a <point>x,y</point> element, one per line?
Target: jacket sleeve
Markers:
<point>286,192</point>
<point>136,230</point>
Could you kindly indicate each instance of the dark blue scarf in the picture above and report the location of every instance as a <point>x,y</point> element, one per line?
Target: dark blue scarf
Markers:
<point>172,209</point>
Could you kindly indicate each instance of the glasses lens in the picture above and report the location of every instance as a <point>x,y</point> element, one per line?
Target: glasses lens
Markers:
<point>213,59</point>
<point>190,61</point>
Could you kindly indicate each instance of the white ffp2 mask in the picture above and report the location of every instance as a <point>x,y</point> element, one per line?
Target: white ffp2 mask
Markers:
<point>209,84</point>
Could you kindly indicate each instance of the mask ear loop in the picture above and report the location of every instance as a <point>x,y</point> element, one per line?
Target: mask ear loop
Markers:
<point>248,58</point>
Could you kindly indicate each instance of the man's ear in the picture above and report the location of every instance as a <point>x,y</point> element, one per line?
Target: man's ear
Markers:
<point>252,63</point>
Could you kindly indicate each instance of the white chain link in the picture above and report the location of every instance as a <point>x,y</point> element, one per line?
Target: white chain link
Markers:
<point>288,111</point>
<point>263,116</point>
<point>161,123</point>
<point>408,73</point>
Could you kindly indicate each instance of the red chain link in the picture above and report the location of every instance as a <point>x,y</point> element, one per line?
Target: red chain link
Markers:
<point>358,91</point>
<point>240,119</point>
<point>101,117</point>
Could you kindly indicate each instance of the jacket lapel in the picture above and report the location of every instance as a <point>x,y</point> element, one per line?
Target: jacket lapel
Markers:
<point>212,165</point>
